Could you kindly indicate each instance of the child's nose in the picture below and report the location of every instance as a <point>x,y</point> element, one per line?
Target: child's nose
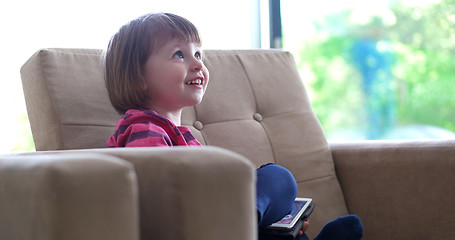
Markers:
<point>197,65</point>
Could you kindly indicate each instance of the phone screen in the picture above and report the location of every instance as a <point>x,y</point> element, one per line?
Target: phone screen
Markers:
<point>300,204</point>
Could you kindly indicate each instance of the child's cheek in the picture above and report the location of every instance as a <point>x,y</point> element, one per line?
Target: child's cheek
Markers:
<point>206,75</point>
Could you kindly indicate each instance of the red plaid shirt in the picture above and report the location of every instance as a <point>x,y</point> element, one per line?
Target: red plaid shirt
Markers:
<point>147,128</point>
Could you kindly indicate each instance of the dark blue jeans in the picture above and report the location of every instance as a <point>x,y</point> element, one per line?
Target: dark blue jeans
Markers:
<point>276,191</point>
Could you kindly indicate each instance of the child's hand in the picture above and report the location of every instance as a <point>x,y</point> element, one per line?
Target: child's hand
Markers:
<point>304,228</point>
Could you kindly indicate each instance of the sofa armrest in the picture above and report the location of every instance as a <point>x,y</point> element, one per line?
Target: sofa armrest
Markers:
<point>168,193</point>
<point>67,196</point>
<point>193,193</point>
<point>400,189</point>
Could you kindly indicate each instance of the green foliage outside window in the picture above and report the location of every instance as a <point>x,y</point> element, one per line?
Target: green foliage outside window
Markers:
<point>421,43</point>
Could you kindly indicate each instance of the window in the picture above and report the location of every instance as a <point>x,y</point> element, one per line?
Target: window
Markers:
<point>376,69</point>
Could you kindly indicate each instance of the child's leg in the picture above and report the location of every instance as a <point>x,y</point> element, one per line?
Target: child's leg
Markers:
<point>303,237</point>
<point>344,228</point>
<point>276,191</point>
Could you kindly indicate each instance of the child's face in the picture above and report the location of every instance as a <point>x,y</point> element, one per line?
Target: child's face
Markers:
<point>175,76</point>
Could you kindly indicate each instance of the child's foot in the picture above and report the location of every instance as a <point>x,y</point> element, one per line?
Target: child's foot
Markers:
<point>344,228</point>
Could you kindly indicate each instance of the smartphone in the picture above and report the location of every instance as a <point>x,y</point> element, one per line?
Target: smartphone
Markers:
<point>301,209</point>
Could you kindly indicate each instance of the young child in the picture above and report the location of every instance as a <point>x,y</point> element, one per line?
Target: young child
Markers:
<point>153,69</point>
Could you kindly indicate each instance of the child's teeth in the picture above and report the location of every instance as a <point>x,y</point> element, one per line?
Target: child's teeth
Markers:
<point>198,81</point>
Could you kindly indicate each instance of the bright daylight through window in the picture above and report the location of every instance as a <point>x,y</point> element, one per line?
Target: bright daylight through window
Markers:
<point>376,69</point>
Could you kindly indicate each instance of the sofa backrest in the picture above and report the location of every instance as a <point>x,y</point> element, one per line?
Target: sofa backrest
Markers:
<point>67,102</point>
<point>255,105</point>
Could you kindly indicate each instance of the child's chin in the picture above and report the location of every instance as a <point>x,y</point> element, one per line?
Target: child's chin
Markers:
<point>194,102</point>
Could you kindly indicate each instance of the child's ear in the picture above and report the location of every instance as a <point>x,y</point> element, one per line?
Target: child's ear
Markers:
<point>142,89</point>
<point>144,86</point>
<point>142,82</point>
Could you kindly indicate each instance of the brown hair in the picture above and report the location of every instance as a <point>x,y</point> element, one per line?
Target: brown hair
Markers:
<point>129,49</point>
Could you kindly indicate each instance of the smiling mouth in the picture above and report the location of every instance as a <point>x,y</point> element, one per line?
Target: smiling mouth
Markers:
<point>195,82</point>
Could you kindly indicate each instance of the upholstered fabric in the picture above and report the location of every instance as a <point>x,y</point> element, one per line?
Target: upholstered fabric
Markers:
<point>67,102</point>
<point>68,196</point>
<point>401,189</point>
<point>200,193</point>
<point>255,105</point>
<point>192,193</point>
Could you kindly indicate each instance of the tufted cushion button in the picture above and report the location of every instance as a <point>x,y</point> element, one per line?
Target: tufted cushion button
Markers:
<point>198,125</point>
<point>257,117</point>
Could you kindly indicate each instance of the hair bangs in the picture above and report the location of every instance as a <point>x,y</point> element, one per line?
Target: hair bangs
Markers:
<point>164,27</point>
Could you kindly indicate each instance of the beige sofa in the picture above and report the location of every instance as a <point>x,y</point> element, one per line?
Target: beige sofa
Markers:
<point>255,111</point>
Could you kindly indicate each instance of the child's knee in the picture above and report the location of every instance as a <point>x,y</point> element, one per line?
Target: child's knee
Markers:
<point>276,191</point>
<point>278,182</point>
<point>280,179</point>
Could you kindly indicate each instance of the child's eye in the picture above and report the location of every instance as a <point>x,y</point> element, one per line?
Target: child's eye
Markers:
<point>178,54</point>
<point>198,55</point>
